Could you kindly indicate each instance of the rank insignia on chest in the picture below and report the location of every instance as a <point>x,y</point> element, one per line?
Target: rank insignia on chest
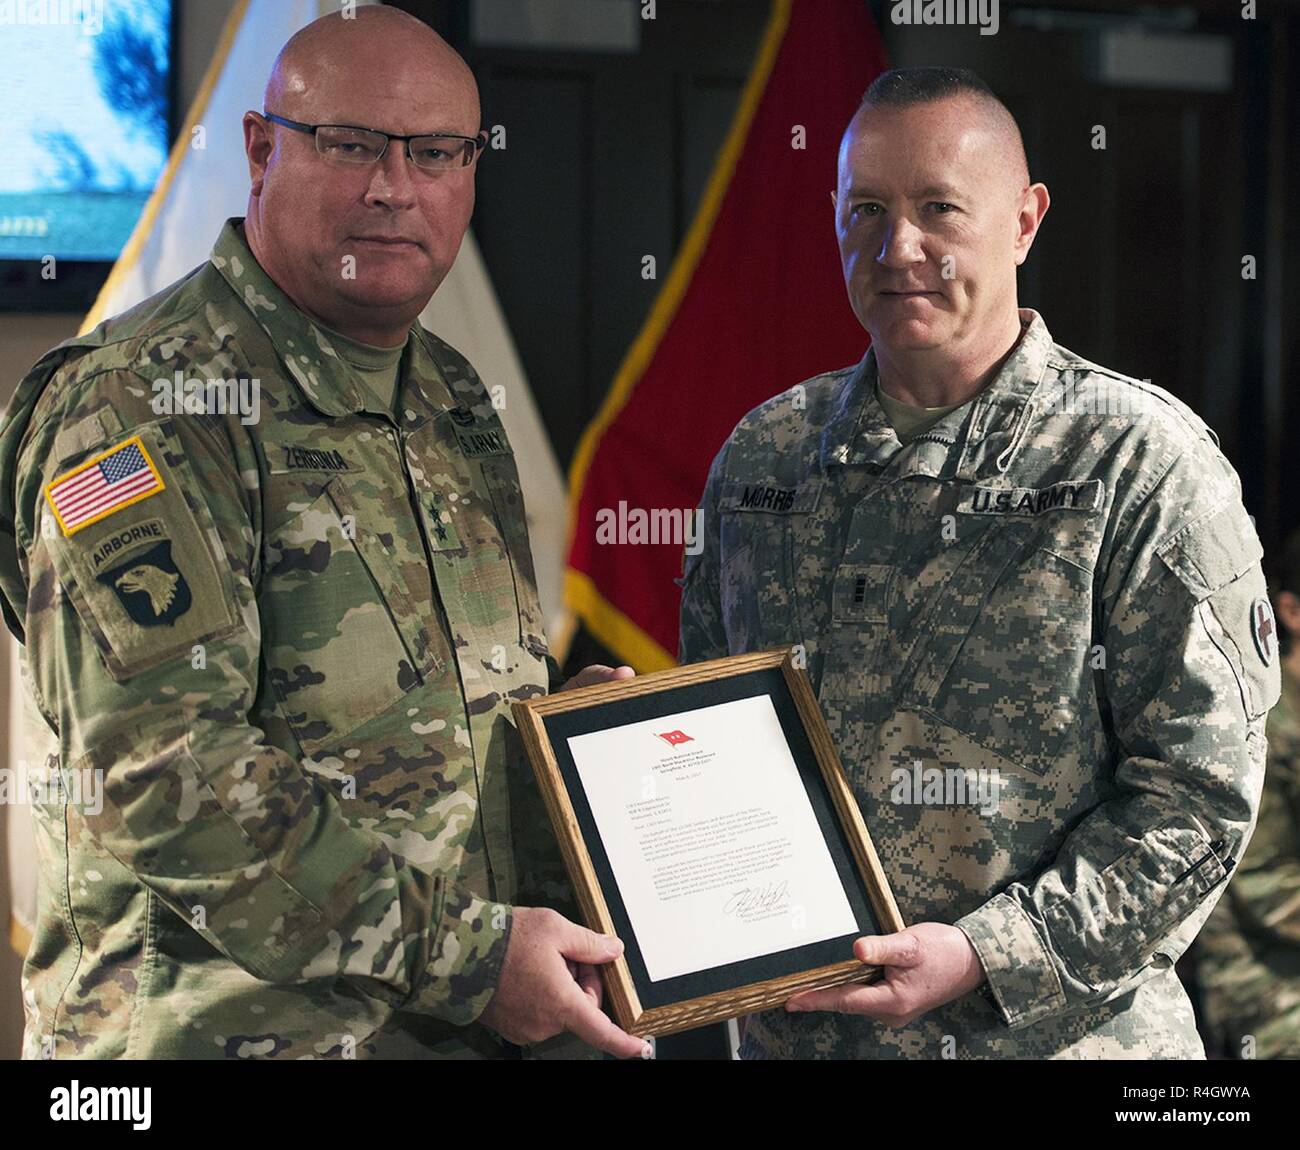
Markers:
<point>149,585</point>
<point>100,487</point>
<point>441,532</point>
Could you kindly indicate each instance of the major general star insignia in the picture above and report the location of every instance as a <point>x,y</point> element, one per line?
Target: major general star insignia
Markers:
<point>441,526</point>
<point>149,586</point>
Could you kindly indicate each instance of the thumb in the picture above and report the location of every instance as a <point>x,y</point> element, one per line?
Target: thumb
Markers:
<point>599,673</point>
<point>583,945</point>
<point>898,949</point>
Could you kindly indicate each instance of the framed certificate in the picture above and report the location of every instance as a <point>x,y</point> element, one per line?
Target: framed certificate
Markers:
<point>705,820</point>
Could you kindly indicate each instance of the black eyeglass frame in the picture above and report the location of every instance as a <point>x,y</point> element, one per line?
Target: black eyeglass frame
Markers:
<point>477,143</point>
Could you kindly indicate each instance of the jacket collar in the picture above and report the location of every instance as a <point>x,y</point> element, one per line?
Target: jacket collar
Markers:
<point>989,429</point>
<point>327,381</point>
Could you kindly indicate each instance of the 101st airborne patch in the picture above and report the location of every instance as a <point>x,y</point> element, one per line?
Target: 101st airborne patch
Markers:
<point>150,586</point>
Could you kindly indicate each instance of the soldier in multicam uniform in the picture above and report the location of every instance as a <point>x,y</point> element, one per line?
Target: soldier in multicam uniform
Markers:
<point>289,647</point>
<point>1040,577</point>
<point>1248,955</point>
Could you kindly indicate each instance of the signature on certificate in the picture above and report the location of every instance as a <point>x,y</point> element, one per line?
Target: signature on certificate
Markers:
<point>751,901</point>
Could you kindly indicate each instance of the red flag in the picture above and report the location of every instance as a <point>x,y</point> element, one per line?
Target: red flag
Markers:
<point>754,303</point>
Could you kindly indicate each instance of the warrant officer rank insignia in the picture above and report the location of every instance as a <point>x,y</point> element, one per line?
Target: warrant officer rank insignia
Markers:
<point>150,586</point>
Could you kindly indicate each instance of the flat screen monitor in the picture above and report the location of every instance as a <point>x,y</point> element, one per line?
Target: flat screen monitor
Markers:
<point>87,92</point>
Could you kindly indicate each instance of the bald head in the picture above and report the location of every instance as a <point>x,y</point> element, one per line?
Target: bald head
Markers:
<point>323,62</point>
<point>361,246</point>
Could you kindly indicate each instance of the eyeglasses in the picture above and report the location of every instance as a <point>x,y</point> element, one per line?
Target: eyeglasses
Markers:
<point>353,145</point>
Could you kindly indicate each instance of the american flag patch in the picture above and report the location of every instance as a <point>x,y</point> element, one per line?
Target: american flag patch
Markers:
<point>114,479</point>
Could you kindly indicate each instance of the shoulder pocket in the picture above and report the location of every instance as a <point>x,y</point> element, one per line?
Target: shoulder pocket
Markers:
<point>137,552</point>
<point>1217,558</point>
<point>1120,917</point>
<point>1213,550</point>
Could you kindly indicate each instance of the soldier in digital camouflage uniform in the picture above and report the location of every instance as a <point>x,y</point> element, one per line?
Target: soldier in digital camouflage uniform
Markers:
<point>289,646</point>
<point>1249,952</point>
<point>1024,565</point>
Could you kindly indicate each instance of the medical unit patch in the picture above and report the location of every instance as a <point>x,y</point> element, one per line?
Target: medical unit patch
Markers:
<point>114,479</point>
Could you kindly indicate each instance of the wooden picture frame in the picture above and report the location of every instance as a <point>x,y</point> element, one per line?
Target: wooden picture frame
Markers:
<point>645,1006</point>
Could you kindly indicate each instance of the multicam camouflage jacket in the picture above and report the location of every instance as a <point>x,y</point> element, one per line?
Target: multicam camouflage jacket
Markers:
<point>1039,636</point>
<point>287,649</point>
<point>1249,952</point>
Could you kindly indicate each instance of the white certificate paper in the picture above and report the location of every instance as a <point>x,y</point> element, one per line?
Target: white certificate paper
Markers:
<point>711,837</point>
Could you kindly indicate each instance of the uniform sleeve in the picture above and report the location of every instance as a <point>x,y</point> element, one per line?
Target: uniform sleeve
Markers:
<point>149,669</point>
<point>1265,890</point>
<point>702,634</point>
<point>1185,691</point>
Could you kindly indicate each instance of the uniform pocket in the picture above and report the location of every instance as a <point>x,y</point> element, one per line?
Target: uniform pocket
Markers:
<point>335,607</point>
<point>1217,559</point>
<point>755,588</point>
<point>1008,661</point>
<point>756,527</point>
<point>1117,918</point>
<point>508,510</point>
